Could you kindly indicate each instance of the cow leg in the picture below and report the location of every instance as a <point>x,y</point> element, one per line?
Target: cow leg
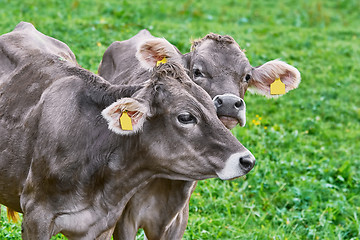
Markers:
<point>173,231</point>
<point>127,225</point>
<point>36,225</point>
<point>128,232</point>
<point>177,228</point>
<point>174,228</point>
<point>23,232</point>
<point>106,235</point>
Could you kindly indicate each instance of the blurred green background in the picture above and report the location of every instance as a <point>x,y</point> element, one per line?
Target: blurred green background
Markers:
<point>306,182</point>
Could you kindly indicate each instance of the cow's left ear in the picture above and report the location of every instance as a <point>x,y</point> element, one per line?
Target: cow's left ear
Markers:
<point>152,51</point>
<point>264,75</point>
<point>126,116</point>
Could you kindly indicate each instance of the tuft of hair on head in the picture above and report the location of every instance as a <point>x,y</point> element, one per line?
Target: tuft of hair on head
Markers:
<point>12,215</point>
<point>224,39</point>
<point>170,70</point>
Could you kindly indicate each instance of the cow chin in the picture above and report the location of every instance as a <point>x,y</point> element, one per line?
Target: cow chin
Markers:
<point>230,122</point>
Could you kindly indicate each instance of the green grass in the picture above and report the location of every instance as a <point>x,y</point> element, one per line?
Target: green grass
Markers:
<point>306,183</point>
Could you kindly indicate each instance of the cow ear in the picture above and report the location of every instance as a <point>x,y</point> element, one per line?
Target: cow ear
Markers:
<point>150,52</point>
<point>266,74</point>
<point>126,116</point>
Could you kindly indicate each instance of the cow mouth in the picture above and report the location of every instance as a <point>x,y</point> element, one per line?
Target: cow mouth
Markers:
<point>229,122</point>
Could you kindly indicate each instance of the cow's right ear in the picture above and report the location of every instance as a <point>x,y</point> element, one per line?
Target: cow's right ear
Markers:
<point>151,51</point>
<point>266,74</point>
<point>126,116</point>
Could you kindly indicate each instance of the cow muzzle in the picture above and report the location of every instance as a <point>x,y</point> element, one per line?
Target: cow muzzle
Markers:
<point>230,109</point>
<point>237,165</point>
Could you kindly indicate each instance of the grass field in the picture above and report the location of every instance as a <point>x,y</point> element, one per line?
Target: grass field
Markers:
<point>306,182</point>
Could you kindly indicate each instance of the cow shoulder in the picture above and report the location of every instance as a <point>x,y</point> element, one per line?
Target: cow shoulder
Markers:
<point>31,39</point>
<point>29,64</point>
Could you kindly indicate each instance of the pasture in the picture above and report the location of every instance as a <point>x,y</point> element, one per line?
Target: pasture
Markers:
<point>306,182</point>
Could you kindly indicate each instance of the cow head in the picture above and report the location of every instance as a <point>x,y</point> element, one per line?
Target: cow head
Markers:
<point>180,134</point>
<point>218,65</point>
<point>230,107</point>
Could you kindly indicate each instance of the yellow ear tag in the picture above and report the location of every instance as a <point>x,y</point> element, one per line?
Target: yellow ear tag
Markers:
<point>125,122</point>
<point>277,87</point>
<point>164,60</point>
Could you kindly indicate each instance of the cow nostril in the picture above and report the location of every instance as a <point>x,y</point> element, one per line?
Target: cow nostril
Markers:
<point>238,104</point>
<point>219,101</point>
<point>247,162</point>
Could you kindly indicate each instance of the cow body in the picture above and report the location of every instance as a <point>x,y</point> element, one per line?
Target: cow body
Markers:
<point>219,66</point>
<point>67,163</point>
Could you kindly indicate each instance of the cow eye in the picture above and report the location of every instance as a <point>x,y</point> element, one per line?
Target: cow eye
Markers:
<point>197,73</point>
<point>247,78</point>
<point>187,118</point>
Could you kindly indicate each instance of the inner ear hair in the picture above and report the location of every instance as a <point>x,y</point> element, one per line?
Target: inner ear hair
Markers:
<point>113,113</point>
<point>151,51</point>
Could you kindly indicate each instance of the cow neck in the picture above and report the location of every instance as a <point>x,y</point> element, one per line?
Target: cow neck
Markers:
<point>126,174</point>
<point>113,175</point>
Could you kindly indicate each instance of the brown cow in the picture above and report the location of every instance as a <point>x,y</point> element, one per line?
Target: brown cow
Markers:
<point>68,162</point>
<point>218,65</point>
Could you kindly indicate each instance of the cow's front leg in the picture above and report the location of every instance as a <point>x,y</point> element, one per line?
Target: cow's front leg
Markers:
<point>177,228</point>
<point>106,235</point>
<point>36,225</point>
<point>23,232</point>
<point>127,232</point>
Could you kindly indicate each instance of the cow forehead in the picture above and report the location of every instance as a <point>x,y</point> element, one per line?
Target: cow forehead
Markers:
<point>180,92</point>
<point>219,48</point>
<point>221,56</point>
<point>199,95</point>
<point>190,94</point>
